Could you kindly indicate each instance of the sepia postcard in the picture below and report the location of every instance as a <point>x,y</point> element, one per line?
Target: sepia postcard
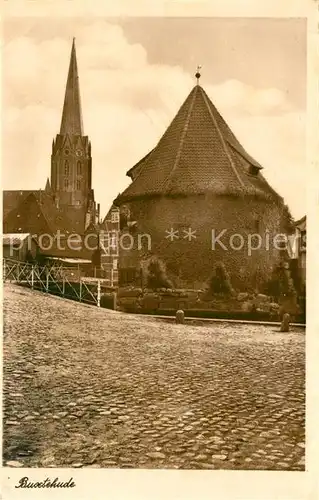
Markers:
<point>160,190</point>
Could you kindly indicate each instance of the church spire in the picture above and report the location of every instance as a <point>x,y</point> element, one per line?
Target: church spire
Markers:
<point>71,122</point>
<point>47,186</point>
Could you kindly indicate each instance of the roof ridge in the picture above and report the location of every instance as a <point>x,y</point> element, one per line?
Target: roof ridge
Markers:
<point>222,139</point>
<point>184,131</point>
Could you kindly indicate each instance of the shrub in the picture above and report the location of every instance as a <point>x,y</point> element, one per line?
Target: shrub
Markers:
<point>220,282</point>
<point>281,283</point>
<point>156,275</point>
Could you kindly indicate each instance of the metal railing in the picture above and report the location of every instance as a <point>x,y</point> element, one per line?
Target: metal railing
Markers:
<point>56,279</point>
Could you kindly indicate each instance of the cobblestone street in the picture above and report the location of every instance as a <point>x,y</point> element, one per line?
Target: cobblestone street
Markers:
<point>89,387</point>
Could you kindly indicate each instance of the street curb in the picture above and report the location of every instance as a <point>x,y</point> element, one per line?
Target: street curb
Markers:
<point>220,320</point>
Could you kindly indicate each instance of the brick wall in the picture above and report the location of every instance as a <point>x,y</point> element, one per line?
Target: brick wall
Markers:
<point>190,263</point>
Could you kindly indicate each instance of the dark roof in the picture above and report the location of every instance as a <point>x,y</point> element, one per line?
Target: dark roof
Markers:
<point>11,199</point>
<point>197,154</point>
<point>66,220</point>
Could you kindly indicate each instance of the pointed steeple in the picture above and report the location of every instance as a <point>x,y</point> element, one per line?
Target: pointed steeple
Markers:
<point>48,186</point>
<point>71,122</point>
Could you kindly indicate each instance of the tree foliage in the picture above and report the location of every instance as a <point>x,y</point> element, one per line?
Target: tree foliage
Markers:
<point>281,284</point>
<point>156,275</point>
<point>220,282</point>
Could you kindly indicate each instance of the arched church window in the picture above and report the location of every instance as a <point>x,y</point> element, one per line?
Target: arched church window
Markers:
<point>66,168</point>
<point>66,183</point>
<point>79,168</point>
<point>78,184</point>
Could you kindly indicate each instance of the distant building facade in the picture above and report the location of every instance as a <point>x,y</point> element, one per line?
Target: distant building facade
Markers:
<point>298,253</point>
<point>19,246</point>
<point>196,184</point>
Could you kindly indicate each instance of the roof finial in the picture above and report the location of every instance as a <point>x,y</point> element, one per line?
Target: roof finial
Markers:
<point>197,74</point>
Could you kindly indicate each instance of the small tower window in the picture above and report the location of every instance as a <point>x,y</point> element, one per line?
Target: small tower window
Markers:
<point>79,168</point>
<point>78,184</point>
<point>66,167</point>
<point>257,225</point>
<point>66,183</point>
<point>253,170</point>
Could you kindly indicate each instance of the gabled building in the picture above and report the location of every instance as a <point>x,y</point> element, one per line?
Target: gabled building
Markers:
<point>109,233</point>
<point>197,183</point>
<point>298,253</point>
<point>67,203</point>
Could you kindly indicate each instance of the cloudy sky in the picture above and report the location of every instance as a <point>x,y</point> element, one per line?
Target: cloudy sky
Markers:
<point>134,75</point>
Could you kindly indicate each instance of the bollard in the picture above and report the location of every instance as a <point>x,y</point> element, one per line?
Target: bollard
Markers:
<point>180,317</point>
<point>285,323</point>
<point>98,293</point>
<point>114,301</point>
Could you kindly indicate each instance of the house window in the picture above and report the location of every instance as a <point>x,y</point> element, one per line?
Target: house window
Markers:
<point>79,168</point>
<point>113,241</point>
<point>115,216</point>
<point>114,264</point>
<point>66,183</point>
<point>78,184</point>
<point>66,168</point>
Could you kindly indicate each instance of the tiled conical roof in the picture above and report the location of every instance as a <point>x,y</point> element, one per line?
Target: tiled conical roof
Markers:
<point>71,122</point>
<point>197,154</point>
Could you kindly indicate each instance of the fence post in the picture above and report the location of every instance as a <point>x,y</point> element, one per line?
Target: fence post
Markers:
<point>18,271</point>
<point>98,293</point>
<point>32,276</point>
<point>63,286</point>
<point>46,279</point>
<point>80,290</point>
<point>4,270</point>
<point>112,276</point>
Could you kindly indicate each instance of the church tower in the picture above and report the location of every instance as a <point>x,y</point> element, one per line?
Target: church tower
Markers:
<point>71,161</point>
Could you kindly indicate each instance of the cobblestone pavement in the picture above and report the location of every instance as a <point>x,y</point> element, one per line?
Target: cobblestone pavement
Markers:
<point>87,387</point>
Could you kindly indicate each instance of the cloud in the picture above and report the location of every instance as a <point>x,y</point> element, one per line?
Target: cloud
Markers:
<point>127,104</point>
<point>244,99</point>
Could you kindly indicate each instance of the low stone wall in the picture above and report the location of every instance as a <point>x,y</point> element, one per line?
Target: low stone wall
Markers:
<point>201,304</point>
